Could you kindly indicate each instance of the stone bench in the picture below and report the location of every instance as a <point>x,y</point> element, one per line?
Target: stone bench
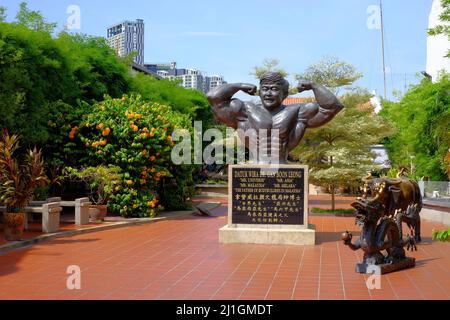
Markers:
<point>436,195</point>
<point>51,220</point>
<point>81,208</point>
<point>50,215</point>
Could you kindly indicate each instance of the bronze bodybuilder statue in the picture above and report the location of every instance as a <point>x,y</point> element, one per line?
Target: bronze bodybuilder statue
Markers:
<point>290,121</point>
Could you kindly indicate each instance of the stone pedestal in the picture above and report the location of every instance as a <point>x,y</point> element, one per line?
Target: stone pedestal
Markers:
<point>268,204</point>
<point>230,234</point>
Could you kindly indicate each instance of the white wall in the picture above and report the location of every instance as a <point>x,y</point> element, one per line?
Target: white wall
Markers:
<point>437,46</point>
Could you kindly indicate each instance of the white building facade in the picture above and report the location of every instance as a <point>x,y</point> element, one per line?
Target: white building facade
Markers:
<point>189,78</point>
<point>437,46</point>
<point>215,81</point>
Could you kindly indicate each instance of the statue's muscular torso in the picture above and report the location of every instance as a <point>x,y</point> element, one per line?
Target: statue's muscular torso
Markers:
<point>287,120</point>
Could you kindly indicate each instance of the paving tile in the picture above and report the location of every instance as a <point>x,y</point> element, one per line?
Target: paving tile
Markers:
<point>182,259</point>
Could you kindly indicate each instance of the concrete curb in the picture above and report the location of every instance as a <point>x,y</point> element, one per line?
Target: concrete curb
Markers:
<point>441,206</point>
<point>433,215</point>
<point>127,223</point>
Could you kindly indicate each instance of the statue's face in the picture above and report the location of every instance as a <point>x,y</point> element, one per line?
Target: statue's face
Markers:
<point>271,95</point>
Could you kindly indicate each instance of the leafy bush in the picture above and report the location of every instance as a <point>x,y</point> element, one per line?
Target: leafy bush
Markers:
<point>33,74</point>
<point>422,119</point>
<point>62,122</point>
<point>187,101</point>
<point>442,236</point>
<point>50,85</point>
<point>38,71</point>
<point>136,136</point>
<point>102,181</point>
<point>94,66</point>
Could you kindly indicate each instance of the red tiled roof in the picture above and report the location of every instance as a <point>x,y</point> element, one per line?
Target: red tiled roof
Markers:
<point>365,106</point>
<point>295,100</point>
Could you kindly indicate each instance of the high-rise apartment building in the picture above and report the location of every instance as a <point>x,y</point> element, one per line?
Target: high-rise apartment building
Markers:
<point>155,67</point>
<point>190,78</point>
<point>126,37</point>
<point>214,81</point>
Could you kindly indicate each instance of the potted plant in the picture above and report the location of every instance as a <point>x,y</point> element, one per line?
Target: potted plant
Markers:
<point>18,182</point>
<point>102,182</point>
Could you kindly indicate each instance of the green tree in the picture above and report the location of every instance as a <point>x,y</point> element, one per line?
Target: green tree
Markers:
<point>332,73</point>
<point>2,14</point>
<point>94,66</point>
<point>443,29</point>
<point>33,19</point>
<point>38,72</point>
<point>422,118</point>
<point>186,101</point>
<point>338,153</point>
<point>271,65</point>
<point>447,163</point>
<point>33,74</point>
<point>268,65</point>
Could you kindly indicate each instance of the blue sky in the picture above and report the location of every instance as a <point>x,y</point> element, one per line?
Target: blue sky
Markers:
<point>231,37</point>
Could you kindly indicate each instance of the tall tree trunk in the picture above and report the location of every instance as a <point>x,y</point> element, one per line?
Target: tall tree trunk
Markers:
<point>332,198</point>
<point>332,188</point>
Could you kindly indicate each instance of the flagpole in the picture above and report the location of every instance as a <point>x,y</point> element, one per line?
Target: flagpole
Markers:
<point>382,49</point>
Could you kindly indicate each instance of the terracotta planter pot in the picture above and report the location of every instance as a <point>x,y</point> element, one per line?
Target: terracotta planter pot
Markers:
<point>14,224</point>
<point>98,212</point>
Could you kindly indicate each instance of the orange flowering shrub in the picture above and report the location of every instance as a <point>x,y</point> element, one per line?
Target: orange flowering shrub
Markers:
<point>136,136</point>
<point>72,133</point>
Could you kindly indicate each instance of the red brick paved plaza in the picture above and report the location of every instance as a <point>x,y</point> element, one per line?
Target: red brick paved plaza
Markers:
<point>182,259</point>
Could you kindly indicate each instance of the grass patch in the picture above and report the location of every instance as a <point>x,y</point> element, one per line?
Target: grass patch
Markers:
<point>337,211</point>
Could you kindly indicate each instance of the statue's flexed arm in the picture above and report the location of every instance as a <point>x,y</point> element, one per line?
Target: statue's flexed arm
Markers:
<point>226,109</point>
<point>314,114</point>
<point>326,106</point>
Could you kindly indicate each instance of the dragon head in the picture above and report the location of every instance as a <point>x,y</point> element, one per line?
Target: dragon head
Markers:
<point>367,211</point>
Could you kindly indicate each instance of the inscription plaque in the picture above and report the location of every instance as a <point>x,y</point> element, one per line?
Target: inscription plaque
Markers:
<point>268,196</point>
